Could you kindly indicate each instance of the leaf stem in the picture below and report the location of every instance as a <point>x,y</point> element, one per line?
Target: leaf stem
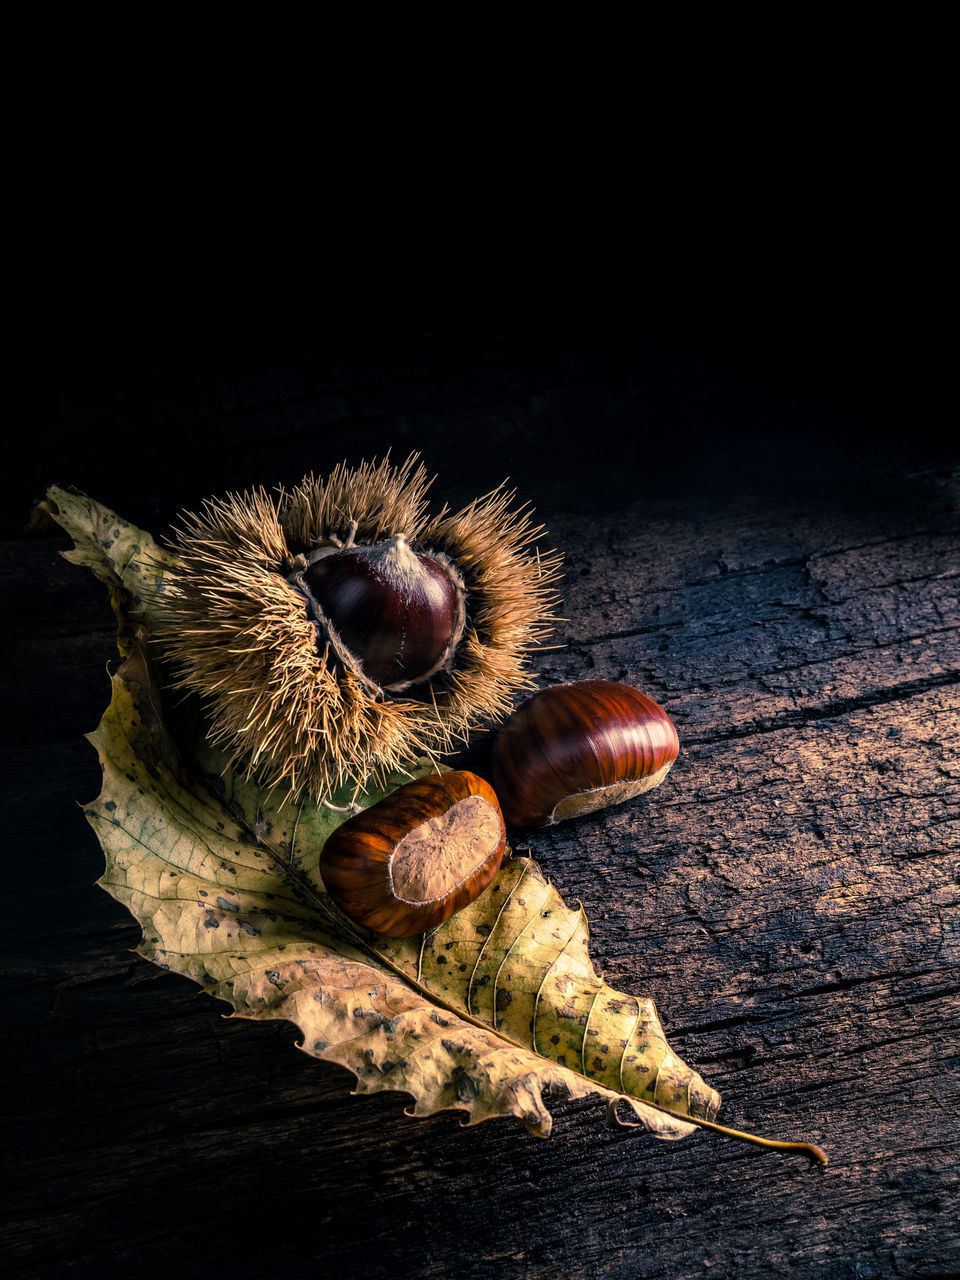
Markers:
<point>816,1154</point>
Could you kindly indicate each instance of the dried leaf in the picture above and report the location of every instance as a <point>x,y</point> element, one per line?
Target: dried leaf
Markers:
<point>492,1011</point>
<point>126,559</point>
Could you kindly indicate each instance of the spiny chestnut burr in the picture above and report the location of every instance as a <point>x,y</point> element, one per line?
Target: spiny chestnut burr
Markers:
<point>397,613</point>
<point>268,604</point>
<point>423,852</point>
<point>575,748</point>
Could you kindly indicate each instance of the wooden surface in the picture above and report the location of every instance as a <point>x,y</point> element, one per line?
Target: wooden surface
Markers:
<point>780,570</point>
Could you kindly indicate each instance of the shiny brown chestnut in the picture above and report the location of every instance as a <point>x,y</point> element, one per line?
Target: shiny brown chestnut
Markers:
<point>423,852</point>
<point>575,748</point>
<point>396,612</point>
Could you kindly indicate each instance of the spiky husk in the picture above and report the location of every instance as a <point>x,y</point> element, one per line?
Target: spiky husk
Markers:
<point>237,632</point>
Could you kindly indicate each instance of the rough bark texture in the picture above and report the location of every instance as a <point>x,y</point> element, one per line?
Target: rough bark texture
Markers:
<point>785,584</point>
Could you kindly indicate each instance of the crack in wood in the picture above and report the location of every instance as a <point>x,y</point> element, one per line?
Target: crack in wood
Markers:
<point>829,710</point>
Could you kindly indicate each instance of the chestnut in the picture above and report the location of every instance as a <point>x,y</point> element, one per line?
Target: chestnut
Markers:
<point>578,747</point>
<point>423,852</point>
<point>398,612</point>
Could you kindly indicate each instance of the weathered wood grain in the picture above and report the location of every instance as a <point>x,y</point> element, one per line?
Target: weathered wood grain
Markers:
<point>789,895</point>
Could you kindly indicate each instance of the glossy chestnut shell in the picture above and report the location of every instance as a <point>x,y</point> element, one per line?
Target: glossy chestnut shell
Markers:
<point>423,852</point>
<point>399,612</point>
<point>578,747</point>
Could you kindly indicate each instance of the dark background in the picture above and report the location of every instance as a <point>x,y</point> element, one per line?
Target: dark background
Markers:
<point>823,350</point>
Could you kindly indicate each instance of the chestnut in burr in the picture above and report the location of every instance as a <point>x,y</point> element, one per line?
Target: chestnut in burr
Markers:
<point>575,748</point>
<point>423,852</point>
<point>398,612</point>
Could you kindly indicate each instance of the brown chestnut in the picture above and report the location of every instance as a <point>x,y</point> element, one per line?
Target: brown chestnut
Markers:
<point>575,748</point>
<point>398,612</point>
<point>423,852</point>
